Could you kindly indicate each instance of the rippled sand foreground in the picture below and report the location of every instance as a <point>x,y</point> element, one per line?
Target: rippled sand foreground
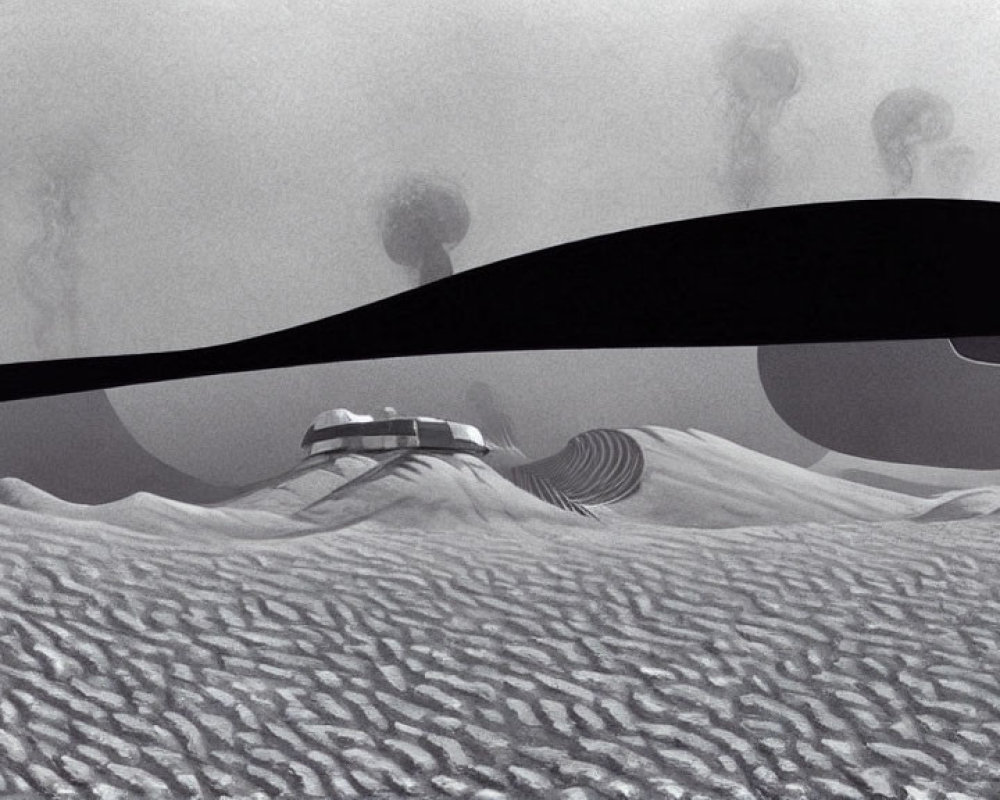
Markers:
<point>809,661</point>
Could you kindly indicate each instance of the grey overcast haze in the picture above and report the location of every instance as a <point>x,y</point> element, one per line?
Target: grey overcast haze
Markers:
<point>187,173</point>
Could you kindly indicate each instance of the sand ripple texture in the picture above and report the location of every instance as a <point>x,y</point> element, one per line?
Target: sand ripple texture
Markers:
<point>804,662</point>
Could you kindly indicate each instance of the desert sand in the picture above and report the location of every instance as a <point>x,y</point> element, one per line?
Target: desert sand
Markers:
<point>431,631</point>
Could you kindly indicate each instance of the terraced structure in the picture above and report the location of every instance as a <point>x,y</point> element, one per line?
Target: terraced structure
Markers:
<point>503,660</point>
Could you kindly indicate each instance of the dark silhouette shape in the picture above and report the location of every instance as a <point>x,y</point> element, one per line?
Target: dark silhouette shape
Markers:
<point>904,120</point>
<point>76,448</point>
<point>420,221</point>
<point>982,349</point>
<point>761,77</point>
<point>861,270</point>
<point>908,402</point>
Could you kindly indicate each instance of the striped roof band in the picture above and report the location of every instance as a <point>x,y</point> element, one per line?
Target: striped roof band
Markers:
<point>364,443</point>
<point>383,427</point>
<point>368,444</point>
<point>431,434</point>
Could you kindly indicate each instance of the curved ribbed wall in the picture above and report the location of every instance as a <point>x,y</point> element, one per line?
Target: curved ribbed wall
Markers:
<point>595,468</point>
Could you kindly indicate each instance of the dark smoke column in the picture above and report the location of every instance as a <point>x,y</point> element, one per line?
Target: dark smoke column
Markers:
<point>904,120</point>
<point>760,77</point>
<point>420,221</point>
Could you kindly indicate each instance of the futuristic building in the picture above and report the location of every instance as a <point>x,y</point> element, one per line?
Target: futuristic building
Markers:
<point>341,431</point>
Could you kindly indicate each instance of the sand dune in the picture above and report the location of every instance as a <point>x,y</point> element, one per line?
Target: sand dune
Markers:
<point>429,491</point>
<point>945,478</point>
<point>651,475</point>
<point>151,514</point>
<point>415,625</point>
<point>695,479</point>
<point>405,489</point>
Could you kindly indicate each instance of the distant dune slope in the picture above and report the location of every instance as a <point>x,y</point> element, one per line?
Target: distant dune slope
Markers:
<point>882,481</point>
<point>914,476</point>
<point>429,490</point>
<point>420,490</point>
<point>695,479</point>
<point>649,475</point>
<point>147,513</point>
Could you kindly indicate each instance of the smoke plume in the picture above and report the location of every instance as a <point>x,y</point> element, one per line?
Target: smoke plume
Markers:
<point>760,78</point>
<point>421,219</point>
<point>903,122</point>
<point>954,168</point>
<point>48,273</point>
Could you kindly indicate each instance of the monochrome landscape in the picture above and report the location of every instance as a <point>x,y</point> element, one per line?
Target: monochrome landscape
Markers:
<point>418,626</point>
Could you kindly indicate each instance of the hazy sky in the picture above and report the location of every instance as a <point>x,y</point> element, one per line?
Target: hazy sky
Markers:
<point>188,172</point>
